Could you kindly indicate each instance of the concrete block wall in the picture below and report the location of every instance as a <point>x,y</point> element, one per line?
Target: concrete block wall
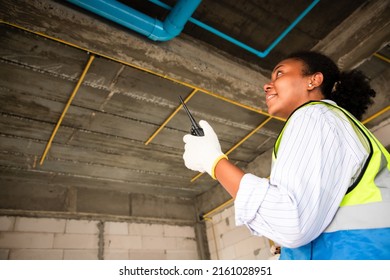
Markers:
<point>29,238</point>
<point>149,242</point>
<point>229,242</point>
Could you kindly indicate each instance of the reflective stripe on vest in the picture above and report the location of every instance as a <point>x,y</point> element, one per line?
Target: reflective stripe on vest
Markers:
<point>367,202</point>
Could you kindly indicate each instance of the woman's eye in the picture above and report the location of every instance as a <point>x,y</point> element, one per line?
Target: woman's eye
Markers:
<point>277,74</point>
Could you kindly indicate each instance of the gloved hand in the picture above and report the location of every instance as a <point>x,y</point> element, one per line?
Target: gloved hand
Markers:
<point>202,153</point>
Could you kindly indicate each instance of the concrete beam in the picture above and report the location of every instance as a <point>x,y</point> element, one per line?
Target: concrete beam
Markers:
<point>29,198</point>
<point>358,37</point>
<point>180,59</point>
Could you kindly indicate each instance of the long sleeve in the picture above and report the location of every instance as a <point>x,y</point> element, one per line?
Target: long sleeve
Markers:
<point>319,157</point>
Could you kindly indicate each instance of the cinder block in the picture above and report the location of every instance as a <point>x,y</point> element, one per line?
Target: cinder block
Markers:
<point>212,246</point>
<point>210,233</point>
<point>36,254</point>
<point>226,223</point>
<point>116,254</point>
<point>122,242</point>
<point>216,218</point>
<point>209,223</point>
<point>264,254</point>
<point>185,243</point>
<point>229,222</point>
<point>227,213</point>
<point>214,256</point>
<point>179,231</point>
<point>80,254</point>
<point>182,255</point>
<point>246,257</point>
<point>158,243</point>
<point>9,240</point>
<point>147,255</point>
<point>216,242</point>
<point>7,223</point>
<point>222,227</point>
<point>75,241</point>
<point>116,228</point>
<point>249,246</point>
<point>233,236</point>
<point>82,226</point>
<point>227,253</point>
<point>39,224</point>
<point>146,229</point>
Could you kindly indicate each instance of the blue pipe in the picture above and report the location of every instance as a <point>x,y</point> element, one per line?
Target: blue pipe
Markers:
<point>152,28</point>
<point>261,54</point>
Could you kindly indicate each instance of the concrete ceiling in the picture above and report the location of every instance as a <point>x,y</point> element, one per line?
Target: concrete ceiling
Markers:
<point>119,142</point>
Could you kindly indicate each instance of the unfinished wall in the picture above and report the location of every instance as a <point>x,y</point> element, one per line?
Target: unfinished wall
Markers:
<point>229,242</point>
<point>26,238</point>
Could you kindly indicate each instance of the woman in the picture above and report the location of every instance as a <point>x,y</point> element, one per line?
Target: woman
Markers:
<point>328,195</point>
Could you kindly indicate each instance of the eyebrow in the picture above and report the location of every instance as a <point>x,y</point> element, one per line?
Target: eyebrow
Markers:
<point>276,68</point>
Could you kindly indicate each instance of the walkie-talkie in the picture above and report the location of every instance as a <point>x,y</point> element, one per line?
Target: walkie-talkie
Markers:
<point>195,128</point>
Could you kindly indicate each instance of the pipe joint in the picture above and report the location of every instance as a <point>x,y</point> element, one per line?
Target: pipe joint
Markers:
<point>139,22</point>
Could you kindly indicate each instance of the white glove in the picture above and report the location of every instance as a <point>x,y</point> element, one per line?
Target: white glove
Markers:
<point>202,153</point>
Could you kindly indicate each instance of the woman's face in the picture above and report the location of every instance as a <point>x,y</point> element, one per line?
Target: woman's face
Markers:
<point>288,88</point>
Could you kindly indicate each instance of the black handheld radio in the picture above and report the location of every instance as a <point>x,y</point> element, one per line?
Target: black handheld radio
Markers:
<point>195,128</point>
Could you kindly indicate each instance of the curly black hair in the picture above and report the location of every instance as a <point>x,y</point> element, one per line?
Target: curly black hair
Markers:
<point>350,89</point>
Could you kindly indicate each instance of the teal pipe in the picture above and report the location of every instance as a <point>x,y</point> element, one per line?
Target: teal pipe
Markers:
<point>261,54</point>
<point>152,28</point>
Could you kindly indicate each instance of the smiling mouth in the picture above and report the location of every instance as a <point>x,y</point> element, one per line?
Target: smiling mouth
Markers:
<point>270,96</point>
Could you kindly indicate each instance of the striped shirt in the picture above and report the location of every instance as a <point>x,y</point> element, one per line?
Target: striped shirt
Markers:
<point>319,157</point>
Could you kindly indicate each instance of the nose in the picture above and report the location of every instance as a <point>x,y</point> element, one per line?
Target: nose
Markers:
<point>267,87</point>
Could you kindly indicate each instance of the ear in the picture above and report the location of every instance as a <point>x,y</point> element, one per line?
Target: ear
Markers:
<point>315,81</point>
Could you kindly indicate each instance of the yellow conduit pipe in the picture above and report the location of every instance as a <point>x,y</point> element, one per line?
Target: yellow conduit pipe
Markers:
<point>239,143</point>
<point>220,207</point>
<point>155,73</point>
<point>142,69</point>
<point>195,89</point>
<point>170,117</point>
<point>384,110</point>
<point>382,57</point>
<point>48,145</point>
<point>243,105</point>
<point>216,96</point>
